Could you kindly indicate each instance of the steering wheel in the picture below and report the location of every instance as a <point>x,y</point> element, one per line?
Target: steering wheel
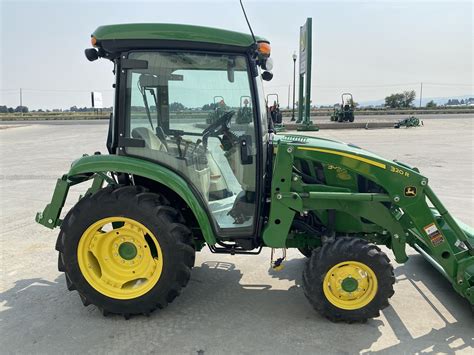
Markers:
<point>219,126</point>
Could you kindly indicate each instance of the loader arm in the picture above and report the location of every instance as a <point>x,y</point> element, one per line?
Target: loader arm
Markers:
<point>404,210</point>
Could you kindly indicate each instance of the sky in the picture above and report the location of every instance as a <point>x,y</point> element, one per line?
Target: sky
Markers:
<point>370,48</point>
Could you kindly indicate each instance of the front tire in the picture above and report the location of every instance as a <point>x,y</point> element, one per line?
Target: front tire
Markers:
<point>348,280</point>
<point>125,250</point>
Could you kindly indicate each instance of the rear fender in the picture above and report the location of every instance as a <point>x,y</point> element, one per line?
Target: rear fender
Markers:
<point>97,166</point>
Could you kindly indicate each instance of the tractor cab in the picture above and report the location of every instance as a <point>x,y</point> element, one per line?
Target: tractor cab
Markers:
<point>196,108</point>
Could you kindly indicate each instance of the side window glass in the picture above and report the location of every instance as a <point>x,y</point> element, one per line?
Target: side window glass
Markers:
<point>195,114</point>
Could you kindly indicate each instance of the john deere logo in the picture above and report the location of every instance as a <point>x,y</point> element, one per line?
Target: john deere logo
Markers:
<point>410,191</point>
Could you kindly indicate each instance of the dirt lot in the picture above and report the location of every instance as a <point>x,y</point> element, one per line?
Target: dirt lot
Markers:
<point>232,304</point>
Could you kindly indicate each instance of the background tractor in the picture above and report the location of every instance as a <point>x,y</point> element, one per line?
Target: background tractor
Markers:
<point>411,121</point>
<point>344,113</point>
<point>244,114</point>
<point>173,183</point>
<point>274,112</point>
<point>218,106</point>
<point>273,104</point>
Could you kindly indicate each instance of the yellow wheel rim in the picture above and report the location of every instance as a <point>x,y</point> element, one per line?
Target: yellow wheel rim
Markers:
<point>350,285</point>
<point>120,258</point>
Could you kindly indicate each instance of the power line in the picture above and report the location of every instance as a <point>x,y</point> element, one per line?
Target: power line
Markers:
<point>55,90</point>
<point>271,86</point>
<point>448,84</point>
<point>378,85</point>
<point>366,85</point>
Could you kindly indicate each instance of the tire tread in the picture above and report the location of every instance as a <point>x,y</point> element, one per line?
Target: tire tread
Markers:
<point>347,248</point>
<point>140,198</point>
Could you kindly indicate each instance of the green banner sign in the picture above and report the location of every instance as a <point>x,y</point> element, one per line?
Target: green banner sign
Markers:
<point>304,102</point>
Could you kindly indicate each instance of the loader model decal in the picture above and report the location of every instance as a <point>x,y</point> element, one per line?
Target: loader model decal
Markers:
<point>397,170</point>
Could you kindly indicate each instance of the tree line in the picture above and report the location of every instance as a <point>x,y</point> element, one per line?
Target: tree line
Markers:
<point>401,100</point>
<point>405,99</point>
<point>25,109</point>
<point>5,109</point>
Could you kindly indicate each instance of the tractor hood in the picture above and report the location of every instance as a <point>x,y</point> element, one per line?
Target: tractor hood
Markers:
<point>305,142</point>
<point>351,153</point>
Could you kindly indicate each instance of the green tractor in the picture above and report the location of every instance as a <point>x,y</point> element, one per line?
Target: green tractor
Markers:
<point>173,183</point>
<point>218,107</point>
<point>274,113</point>
<point>344,113</point>
<point>244,114</point>
<point>411,121</point>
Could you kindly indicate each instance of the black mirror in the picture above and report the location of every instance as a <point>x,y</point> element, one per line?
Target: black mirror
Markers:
<point>267,76</point>
<point>91,54</point>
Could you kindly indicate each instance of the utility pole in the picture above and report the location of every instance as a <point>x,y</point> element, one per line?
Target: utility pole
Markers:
<point>294,81</point>
<point>288,107</point>
<point>21,101</point>
<point>421,92</point>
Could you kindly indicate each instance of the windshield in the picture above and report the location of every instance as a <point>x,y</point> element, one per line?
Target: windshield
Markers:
<point>179,90</point>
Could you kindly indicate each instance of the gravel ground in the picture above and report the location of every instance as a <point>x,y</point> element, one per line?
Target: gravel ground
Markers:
<point>233,304</point>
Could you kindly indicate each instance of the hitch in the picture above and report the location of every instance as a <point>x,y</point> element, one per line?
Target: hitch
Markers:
<point>50,215</point>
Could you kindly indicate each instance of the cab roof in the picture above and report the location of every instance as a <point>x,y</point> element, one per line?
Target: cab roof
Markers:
<point>157,33</point>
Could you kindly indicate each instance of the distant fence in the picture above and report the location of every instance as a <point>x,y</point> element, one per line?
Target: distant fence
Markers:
<point>189,114</point>
<point>47,116</point>
<point>40,116</point>
<point>381,111</point>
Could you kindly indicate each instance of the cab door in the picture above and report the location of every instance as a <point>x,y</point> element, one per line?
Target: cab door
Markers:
<point>171,107</point>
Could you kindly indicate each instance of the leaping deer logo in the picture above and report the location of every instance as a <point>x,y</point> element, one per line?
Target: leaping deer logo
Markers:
<point>410,191</point>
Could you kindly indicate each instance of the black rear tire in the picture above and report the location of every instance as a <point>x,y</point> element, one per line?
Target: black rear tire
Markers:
<point>342,250</point>
<point>152,211</point>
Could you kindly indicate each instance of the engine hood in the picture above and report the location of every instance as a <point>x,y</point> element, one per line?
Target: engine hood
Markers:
<point>323,143</point>
<point>333,148</point>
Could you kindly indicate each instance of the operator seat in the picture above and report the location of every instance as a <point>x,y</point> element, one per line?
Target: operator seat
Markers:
<point>151,140</point>
<point>155,150</point>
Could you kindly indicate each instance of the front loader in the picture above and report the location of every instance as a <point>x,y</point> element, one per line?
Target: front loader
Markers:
<point>175,182</point>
